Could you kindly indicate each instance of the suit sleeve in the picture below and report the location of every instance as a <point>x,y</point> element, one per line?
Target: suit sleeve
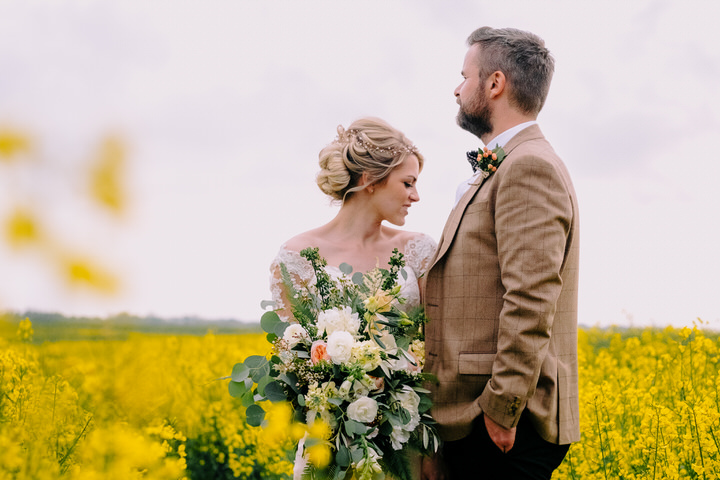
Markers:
<point>533,214</point>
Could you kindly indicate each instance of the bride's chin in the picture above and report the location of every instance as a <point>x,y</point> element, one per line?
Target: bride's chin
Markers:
<point>398,222</point>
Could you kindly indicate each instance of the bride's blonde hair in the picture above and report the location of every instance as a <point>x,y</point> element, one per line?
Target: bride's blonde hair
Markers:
<point>369,145</point>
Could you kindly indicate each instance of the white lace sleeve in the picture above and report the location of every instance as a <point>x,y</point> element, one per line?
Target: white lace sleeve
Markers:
<point>301,273</point>
<point>419,252</point>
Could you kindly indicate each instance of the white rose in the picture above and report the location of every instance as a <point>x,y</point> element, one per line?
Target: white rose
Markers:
<point>338,319</point>
<point>363,410</point>
<point>295,334</point>
<point>339,346</point>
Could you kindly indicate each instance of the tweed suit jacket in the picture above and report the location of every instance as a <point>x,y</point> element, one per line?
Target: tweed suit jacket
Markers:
<point>501,297</point>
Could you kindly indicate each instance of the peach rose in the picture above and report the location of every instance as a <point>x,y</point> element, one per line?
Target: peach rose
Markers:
<point>379,383</point>
<point>318,352</point>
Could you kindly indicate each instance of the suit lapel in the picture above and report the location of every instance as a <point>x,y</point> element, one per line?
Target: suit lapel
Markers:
<point>456,214</point>
<point>530,133</point>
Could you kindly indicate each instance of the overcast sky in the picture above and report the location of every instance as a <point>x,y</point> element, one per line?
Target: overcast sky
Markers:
<point>224,106</point>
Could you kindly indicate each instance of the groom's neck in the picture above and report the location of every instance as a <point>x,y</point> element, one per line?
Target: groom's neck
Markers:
<point>505,119</point>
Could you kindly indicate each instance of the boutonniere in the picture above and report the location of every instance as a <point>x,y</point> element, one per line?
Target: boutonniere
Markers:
<point>486,161</point>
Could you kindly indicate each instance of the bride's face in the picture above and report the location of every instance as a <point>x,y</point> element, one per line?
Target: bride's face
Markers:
<point>393,197</point>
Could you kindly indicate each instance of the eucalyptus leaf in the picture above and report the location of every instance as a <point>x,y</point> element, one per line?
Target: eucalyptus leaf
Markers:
<point>280,328</point>
<point>274,392</point>
<point>342,457</point>
<point>289,379</point>
<point>345,268</point>
<point>403,342</point>
<point>240,372</point>
<point>271,337</point>
<point>262,384</point>
<point>357,454</point>
<point>247,398</point>
<point>425,404</point>
<point>269,320</point>
<point>386,428</point>
<point>352,427</point>
<point>267,303</point>
<point>404,274</point>
<point>404,415</point>
<point>335,401</point>
<point>312,441</point>
<point>358,278</point>
<point>259,367</point>
<point>236,389</point>
<point>255,415</point>
<point>301,400</point>
<point>394,419</point>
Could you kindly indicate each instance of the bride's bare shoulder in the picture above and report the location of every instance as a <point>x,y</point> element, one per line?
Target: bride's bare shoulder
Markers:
<point>299,242</point>
<point>400,238</point>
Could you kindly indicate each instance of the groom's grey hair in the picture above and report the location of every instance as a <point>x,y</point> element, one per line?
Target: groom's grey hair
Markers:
<point>522,57</point>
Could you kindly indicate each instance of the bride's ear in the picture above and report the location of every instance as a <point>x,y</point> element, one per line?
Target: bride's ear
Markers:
<point>365,182</point>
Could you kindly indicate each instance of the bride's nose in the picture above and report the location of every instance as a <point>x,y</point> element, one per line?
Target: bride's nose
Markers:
<point>414,196</point>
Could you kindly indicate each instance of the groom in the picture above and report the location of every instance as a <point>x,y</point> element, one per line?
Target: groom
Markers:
<point>502,292</point>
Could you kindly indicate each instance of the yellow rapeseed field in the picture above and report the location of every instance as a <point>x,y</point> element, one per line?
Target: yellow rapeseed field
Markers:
<point>151,407</point>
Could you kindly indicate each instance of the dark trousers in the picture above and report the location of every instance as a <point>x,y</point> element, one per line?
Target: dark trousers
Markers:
<point>477,457</point>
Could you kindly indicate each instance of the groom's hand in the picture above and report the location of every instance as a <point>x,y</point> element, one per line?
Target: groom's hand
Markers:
<point>502,437</point>
<point>433,468</point>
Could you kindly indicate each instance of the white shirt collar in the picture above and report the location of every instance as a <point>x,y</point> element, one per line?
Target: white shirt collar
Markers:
<point>505,136</point>
<point>498,141</point>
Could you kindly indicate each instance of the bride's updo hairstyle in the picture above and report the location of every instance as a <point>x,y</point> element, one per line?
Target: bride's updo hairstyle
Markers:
<point>369,145</point>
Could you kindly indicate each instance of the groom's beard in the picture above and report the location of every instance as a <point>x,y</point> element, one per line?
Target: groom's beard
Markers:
<point>476,116</point>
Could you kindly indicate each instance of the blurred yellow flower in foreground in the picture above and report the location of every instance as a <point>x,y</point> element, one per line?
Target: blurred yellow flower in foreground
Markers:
<point>80,271</point>
<point>12,143</point>
<point>316,446</point>
<point>106,184</point>
<point>21,228</point>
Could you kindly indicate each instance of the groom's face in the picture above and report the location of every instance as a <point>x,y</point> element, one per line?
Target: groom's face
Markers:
<point>475,114</point>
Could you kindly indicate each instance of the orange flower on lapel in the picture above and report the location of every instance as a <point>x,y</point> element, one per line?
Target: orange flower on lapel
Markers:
<point>486,161</point>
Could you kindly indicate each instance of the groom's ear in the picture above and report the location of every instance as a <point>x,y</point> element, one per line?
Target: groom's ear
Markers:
<point>496,84</point>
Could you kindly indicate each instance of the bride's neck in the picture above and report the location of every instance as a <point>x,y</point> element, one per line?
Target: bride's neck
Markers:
<point>356,223</point>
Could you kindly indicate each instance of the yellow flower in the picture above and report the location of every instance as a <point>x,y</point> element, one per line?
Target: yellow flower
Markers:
<point>106,175</point>
<point>12,143</point>
<point>21,228</point>
<point>379,303</point>
<point>25,331</point>
<point>82,272</point>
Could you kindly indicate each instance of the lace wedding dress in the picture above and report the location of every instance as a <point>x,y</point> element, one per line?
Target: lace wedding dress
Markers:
<point>418,253</point>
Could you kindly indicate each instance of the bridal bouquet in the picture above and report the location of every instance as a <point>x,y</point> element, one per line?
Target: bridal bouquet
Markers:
<point>350,366</point>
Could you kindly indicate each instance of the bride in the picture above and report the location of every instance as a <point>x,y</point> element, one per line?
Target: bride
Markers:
<point>371,170</point>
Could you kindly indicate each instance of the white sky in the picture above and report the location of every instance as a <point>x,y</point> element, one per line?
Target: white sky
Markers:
<point>225,105</point>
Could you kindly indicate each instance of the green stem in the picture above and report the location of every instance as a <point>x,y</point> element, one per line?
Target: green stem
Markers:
<point>657,440</point>
<point>72,447</point>
<point>697,433</point>
<point>602,450</point>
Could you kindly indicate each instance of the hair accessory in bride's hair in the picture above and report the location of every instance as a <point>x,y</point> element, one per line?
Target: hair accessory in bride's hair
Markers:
<point>346,136</point>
